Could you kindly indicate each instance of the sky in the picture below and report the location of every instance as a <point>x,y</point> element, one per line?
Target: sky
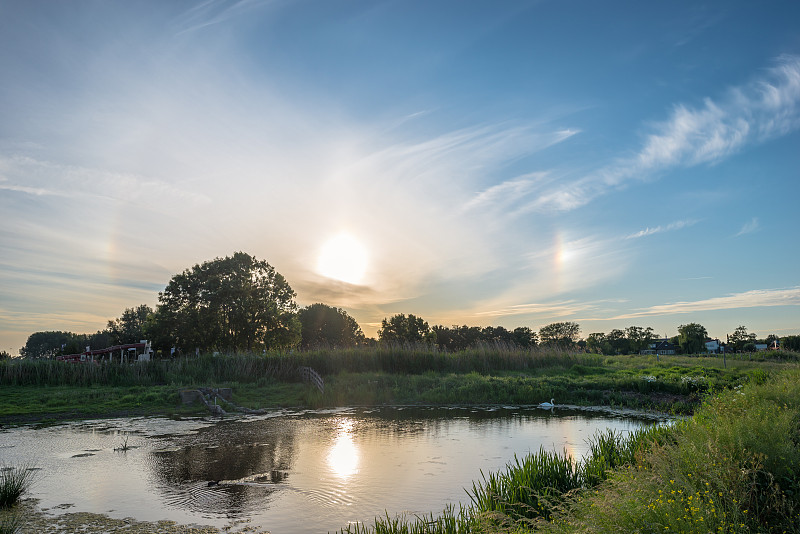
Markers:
<point>511,163</point>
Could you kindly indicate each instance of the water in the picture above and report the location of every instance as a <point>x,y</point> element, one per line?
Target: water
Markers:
<point>289,472</point>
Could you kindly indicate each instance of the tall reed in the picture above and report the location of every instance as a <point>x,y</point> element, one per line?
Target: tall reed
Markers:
<point>249,368</point>
<point>14,482</point>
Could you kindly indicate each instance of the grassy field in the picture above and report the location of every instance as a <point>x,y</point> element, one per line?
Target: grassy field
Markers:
<point>33,391</point>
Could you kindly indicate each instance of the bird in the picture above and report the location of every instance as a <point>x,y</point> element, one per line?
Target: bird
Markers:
<point>550,404</point>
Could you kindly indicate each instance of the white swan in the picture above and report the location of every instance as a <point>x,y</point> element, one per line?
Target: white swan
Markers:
<point>550,404</point>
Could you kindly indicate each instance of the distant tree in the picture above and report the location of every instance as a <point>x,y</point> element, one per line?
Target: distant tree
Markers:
<point>234,303</point>
<point>790,343</point>
<point>561,334</point>
<point>100,339</point>
<point>740,338</point>
<point>4,355</point>
<point>130,327</point>
<point>403,329</point>
<point>495,334</point>
<point>49,344</point>
<point>692,338</point>
<point>619,343</point>
<point>324,325</point>
<point>596,343</point>
<point>524,337</point>
<point>639,338</point>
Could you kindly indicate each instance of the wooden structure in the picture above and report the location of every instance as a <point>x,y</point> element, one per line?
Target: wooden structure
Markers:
<point>310,376</point>
<point>130,352</point>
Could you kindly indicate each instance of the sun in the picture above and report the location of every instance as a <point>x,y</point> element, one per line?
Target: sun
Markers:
<point>344,258</point>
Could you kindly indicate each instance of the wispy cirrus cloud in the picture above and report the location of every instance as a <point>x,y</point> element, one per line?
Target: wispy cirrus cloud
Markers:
<point>749,227</point>
<point>551,309</point>
<point>677,225</point>
<point>764,109</point>
<point>748,299</point>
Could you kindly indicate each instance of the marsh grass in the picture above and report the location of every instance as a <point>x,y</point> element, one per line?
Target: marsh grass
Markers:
<point>14,482</point>
<point>10,522</point>
<point>385,374</point>
<point>734,467</point>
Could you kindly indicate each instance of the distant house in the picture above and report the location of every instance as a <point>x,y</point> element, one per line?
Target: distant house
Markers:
<point>761,346</point>
<point>714,346</point>
<point>661,347</point>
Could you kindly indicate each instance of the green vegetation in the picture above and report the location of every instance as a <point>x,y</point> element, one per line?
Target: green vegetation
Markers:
<point>14,482</point>
<point>33,390</point>
<point>733,467</point>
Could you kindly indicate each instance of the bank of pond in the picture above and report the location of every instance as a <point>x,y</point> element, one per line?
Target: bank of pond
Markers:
<point>734,466</point>
<point>42,390</point>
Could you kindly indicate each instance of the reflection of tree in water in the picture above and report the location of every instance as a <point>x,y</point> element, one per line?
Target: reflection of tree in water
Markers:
<point>229,467</point>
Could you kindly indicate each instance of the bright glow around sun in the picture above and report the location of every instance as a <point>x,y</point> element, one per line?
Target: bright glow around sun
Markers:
<point>344,258</point>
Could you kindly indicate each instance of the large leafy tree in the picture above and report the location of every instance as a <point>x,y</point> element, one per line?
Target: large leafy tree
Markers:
<point>49,344</point>
<point>324,325</point>
<point>560,334</point>
<point>402,328</point>
<point>235,303</point>
<point>692,338</point>
<point>131,326</point>
<point>524,337</point>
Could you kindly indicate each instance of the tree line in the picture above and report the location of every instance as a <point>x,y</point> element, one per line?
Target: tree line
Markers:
<point>242,304</point>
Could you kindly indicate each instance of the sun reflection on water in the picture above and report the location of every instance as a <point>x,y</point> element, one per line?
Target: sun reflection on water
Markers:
<point>344,455</point>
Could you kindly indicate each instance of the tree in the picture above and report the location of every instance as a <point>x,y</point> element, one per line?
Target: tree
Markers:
<point>692,338</point>
<point>130,327</point>
<point>234,303</point>
<point>639,338</point>
<point>403,329</point>
<point>790,343</point>
<point>326,325</point>
<point>524,337</point>
<point>560,334</point>
<point>596,343</point>
<point>4,355</point>
<point>740,338</point>
<point>50,344</point>
<point>619,343</point>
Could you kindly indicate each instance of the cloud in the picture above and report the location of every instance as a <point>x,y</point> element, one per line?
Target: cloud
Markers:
<point>554,309</point>
<point>677,225</point>
<point>25,174</point>
<point>749,227</point>
<point>764,109</point>
<point>213,12</point>
<point>506,193</point>
<point>749,299</point>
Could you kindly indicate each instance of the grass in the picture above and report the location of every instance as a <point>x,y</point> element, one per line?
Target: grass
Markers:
<point>10,522</point>
<point>35,390</point>
<point>14,482</point>
<point>733,467</point>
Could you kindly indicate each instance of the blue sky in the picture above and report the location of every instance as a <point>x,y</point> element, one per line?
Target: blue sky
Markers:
<point>497,163</point>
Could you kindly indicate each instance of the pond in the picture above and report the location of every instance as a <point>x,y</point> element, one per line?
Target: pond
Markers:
<point>290,471</point>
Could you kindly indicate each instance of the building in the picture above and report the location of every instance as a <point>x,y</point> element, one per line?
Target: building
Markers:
<point>661,347</point>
